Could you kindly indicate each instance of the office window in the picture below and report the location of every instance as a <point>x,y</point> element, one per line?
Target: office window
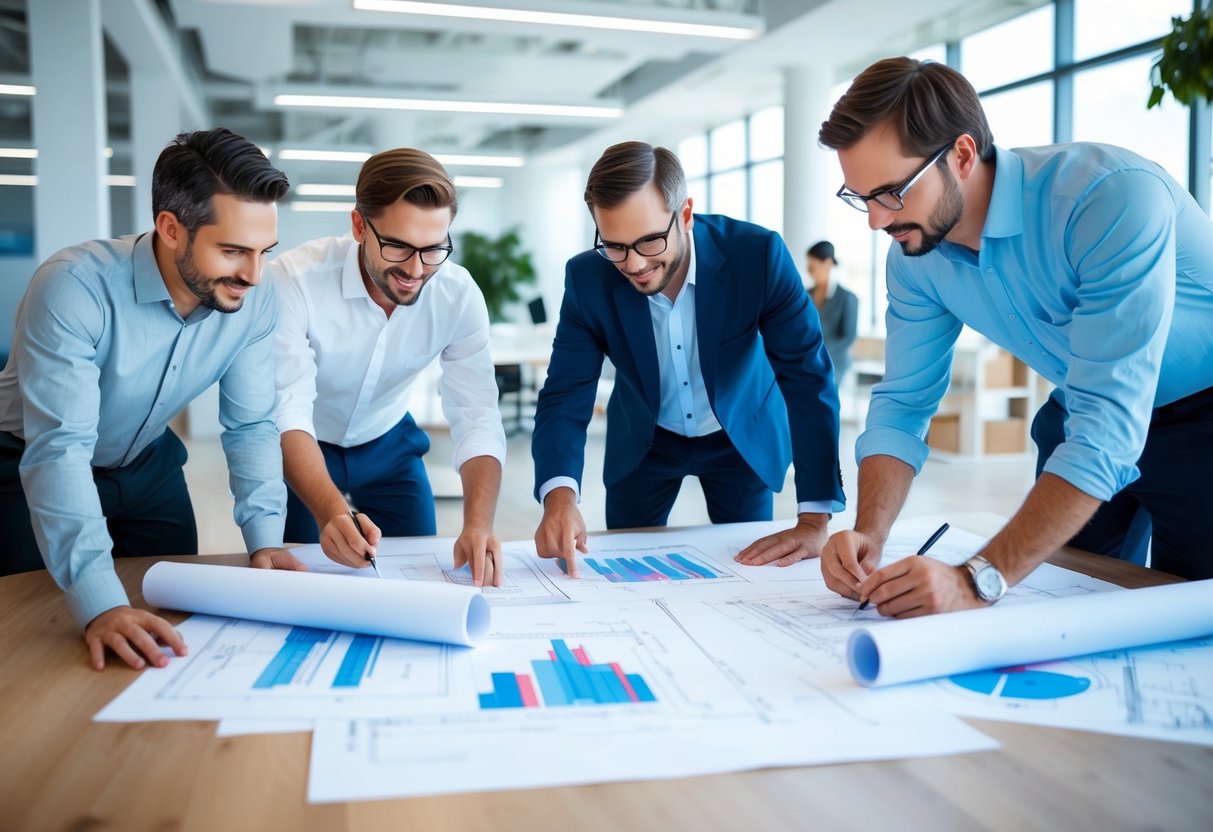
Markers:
<point>1019,48</point>
<point>766,194</point>
<point>693,153</point>
<point>697,190</point>
<point>766,134</point>
<point>1102,26</point>
<point>1022,117</point>
<point>1110,106</point>
<point>938,53</point>
<point>727,145</point>
<point>726,194</point>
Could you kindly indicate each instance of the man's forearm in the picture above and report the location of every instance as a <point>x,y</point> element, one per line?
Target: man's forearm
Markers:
<point>884,483</point>
<point>306,474</point>
<point>481,477</point>
<point>1053,513</point>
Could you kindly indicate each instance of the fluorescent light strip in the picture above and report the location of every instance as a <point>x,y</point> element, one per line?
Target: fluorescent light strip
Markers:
<point>334,207</point>
<point>32,153</point>
<point>293,155</point>
<point>478,182</point>
<point>30,180</point>
<point>16,89</point>
<point>590,21</point>
<point>483,161</point>
<point>312,189</point>
<point>446,106</point>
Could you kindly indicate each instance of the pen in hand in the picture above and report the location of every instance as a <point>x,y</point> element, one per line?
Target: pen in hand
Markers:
<point>367,555</point>
<point>921,551</point>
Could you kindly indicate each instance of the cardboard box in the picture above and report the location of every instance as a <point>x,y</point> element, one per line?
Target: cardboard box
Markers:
<point>944,433</point>
<point>1005,436</point>
<point>1000,370</point>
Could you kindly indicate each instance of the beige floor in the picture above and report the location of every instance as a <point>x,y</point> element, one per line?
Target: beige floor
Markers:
<point>943,487</point>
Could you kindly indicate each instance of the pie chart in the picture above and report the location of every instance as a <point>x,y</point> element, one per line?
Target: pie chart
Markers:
<point>1022,683</point>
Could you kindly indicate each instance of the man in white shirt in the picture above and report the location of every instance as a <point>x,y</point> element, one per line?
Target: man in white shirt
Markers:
<point>361,317</point>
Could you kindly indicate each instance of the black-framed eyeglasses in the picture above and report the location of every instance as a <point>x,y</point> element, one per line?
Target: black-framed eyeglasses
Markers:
<point>401,252</point>
<point>892,199</point>
<point>650,246</point>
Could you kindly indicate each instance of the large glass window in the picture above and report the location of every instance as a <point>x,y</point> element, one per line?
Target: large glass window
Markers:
<point>727,144</point>
<point>766,134</point>
<point>1102,26</point>
<point>766,195</point>
<point>1021,117</point>
<point>1110,106</point>
<point>726,193</point>
<point>1019,48</point>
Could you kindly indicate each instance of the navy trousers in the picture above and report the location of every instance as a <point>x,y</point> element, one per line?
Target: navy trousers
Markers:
<point>146,505</point>
<point>734,493</point>
<point>1170,505</point>
<point>385,479</point>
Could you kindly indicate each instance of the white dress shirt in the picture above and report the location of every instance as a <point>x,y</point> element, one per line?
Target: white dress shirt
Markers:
<point>345,370</point>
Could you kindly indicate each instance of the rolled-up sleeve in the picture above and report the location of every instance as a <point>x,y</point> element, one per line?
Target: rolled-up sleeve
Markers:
<point>1120,241</point>
<point>250,437</point>
<point>921,337</point>
<point>469,387</point>
<point>59,379</point>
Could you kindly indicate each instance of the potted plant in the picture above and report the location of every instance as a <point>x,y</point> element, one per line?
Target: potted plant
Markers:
<point>499,266</point>
<point>1186,64</point>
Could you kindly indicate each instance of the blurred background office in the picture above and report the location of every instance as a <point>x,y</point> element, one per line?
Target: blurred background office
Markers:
<point>518,98</point>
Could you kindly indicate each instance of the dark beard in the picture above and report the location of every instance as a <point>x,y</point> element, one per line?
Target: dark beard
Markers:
<point>943,219</point>
<point>670,270</point>
<point>380,279</point>
<point>203,287</point>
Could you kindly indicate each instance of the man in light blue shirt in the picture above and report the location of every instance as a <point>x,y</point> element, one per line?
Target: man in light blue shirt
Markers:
<point>720,369</point>
<point>1087,262</point>
<point>112,340</point>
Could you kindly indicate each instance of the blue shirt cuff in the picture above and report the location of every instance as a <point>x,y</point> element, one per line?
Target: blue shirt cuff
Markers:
<point>559,482</point>
<point>95,592</point>
<point>1089,471</point>
<point>891,442</point>
<point>262,533</point>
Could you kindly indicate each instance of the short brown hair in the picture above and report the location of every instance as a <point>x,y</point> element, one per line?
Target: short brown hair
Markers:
<point>404,173</point>
<point>929,105</point>
<point>623,169</point>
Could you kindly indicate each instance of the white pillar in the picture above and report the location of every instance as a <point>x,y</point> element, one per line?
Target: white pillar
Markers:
<point>155,120</point>
<point>71,202</point>
<point>806,186</point>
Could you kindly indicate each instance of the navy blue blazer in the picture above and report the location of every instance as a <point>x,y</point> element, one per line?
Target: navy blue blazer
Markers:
<point>760,345</point>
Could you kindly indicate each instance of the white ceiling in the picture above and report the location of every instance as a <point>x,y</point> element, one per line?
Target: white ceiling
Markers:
<point>235,55</point>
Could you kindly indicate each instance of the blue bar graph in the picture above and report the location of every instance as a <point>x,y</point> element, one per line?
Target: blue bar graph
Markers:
<point>357,662</point>
<point>567,678</point>
<point>282,668</point>
<point>671,566</point>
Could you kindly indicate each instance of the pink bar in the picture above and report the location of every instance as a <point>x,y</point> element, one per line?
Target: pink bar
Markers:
<point>582,656</point>
<point>527,689</point>
<point>623,680</point>
<point>552,655</point>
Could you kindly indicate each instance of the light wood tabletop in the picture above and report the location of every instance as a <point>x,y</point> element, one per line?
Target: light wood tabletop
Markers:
<point>59,770</point>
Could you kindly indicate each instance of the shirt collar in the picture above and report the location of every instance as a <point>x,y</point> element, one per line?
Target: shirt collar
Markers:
<point>1004,217</point>
<point>149,283</point>
<point>351,273</point>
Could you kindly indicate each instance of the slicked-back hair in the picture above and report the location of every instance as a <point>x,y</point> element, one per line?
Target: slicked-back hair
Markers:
<point>927,104</point>
<point>404,174</point>
<point>623,169</point>
<point>196,166</point>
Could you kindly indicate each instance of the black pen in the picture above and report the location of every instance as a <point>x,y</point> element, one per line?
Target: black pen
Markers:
<point>368,555</point>
<point>921,551</point>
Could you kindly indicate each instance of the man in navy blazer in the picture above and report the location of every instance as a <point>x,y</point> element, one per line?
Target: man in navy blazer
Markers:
<point>721,370</point>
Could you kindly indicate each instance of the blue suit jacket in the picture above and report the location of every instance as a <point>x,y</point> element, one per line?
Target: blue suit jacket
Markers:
<point>760,344</point>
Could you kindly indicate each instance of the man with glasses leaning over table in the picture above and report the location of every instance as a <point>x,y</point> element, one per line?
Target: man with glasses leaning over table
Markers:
<point>710,332</point>
<point>362,316</point>
<point>112,340</point>
<point>1086,261</point>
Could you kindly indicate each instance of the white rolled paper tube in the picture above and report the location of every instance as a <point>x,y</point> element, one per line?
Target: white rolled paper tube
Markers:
<point>416,610</point>
<point>1015,634</point>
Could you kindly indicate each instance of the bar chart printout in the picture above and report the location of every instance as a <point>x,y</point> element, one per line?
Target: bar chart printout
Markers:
<point>566,677</point>
<point>290,659</point>
<point>671,566</point>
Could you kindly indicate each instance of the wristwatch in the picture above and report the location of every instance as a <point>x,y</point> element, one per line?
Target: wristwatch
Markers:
<point>987,580</point>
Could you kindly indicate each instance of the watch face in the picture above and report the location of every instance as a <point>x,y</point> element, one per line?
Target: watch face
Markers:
<point>989,583</point>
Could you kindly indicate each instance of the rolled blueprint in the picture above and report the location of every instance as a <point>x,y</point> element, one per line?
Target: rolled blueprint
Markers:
<point>399,609</point>
<point>1015,634</point>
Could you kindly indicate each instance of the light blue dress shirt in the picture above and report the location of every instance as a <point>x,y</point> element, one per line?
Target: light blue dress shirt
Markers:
<point>1095,269</point>
<point>101,363</point>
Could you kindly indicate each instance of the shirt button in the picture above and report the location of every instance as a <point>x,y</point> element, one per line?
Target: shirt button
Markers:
<point>678,347</point>
<point>1042,352</point>
<point>688,415</point>
<point>1011,317</point>
<point>685,383</point>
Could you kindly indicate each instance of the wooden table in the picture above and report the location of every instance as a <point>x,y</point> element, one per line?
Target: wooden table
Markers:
<point>59,770</point>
